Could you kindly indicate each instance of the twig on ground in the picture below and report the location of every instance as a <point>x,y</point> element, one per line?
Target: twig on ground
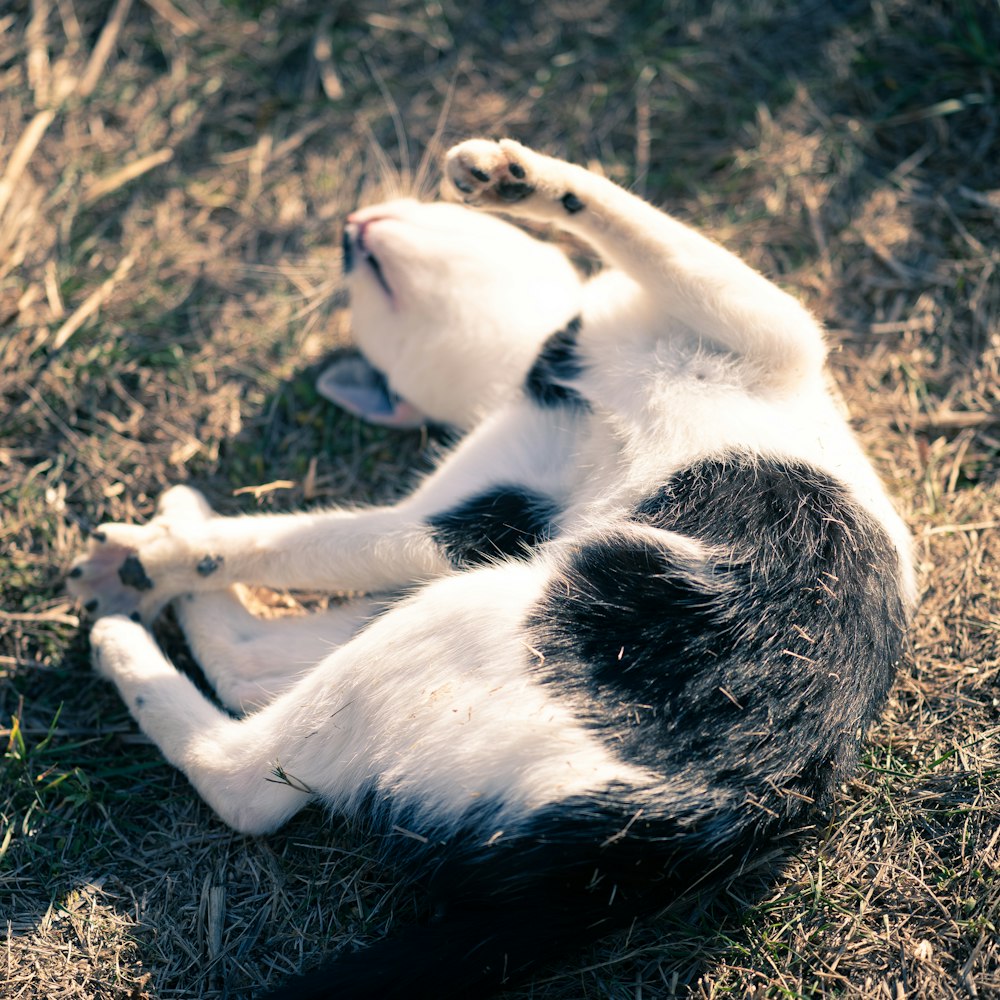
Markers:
<point>92,303</point>
<point>103,48</point>
<point>104,186</point>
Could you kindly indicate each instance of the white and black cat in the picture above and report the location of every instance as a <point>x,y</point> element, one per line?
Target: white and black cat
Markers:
<point>652,599</point>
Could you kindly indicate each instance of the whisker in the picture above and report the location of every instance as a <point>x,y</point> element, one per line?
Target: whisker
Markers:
<point>397,120</point>
<point>433,149</point>
<point>389,180</point>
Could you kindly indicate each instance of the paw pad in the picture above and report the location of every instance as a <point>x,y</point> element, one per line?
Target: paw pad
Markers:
<point>133,574</point>
<point>483,171</point>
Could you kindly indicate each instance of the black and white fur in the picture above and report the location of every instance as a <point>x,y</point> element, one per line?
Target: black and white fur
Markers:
<point>653,598</point>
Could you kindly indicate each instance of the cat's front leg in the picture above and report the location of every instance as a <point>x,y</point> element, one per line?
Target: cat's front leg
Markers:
<point>134,570</point>
<point>690,278</point>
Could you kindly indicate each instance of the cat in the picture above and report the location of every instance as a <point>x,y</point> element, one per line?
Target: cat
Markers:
<point>626,636</point>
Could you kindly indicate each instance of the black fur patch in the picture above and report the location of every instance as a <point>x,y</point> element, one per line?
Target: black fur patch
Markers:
<point>208,565</point>
<point>133,574</point>
<point>504,522</point>
<point>557,364</point>
<point>755,668</point>
<point>506,900</point>
<point>572,203</point>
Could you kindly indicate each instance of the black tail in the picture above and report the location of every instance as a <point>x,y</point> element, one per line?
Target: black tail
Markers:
<point>584,870</point>
<point>465,954</point>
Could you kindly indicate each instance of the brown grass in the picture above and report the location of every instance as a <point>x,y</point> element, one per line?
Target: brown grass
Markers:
<point>172,174</point>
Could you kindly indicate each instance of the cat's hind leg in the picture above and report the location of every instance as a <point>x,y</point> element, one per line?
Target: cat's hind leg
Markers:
<point>245,788</point>
<point>249,659</point>
<point>434,706</point>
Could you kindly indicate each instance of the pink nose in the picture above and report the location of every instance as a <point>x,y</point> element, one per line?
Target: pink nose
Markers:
<point>354,237</point>
<point>355,228</point>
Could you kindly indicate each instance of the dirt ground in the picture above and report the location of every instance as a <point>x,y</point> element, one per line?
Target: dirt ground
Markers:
<point>172,178</point>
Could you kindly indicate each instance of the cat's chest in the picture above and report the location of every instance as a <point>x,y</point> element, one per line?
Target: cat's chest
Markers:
<point>651,377</point>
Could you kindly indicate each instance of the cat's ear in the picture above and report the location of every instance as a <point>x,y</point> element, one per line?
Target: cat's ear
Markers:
<point>354,385</point>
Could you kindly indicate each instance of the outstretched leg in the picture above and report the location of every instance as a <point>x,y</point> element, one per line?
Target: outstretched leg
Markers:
<point>243,783</point>
<point>693,279</point>
<point>502,485</point>
<point>136,569</point>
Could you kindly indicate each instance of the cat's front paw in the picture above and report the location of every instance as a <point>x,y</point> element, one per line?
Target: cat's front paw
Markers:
<point>133,569</point>
<point>485,172</point>
<point>507,175</point>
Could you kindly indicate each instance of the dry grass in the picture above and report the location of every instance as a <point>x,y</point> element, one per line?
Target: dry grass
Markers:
<point>172,173</point>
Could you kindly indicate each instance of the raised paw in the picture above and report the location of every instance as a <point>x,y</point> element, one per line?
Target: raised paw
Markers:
<point>507,175</point>
<point>132,569</point>
<point>483,171</point>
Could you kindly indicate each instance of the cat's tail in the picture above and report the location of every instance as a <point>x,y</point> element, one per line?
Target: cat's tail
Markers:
<point>581,871</point>
<point>466,954</point>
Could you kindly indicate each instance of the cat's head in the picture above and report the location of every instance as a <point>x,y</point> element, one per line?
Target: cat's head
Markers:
<point>451,305</point>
